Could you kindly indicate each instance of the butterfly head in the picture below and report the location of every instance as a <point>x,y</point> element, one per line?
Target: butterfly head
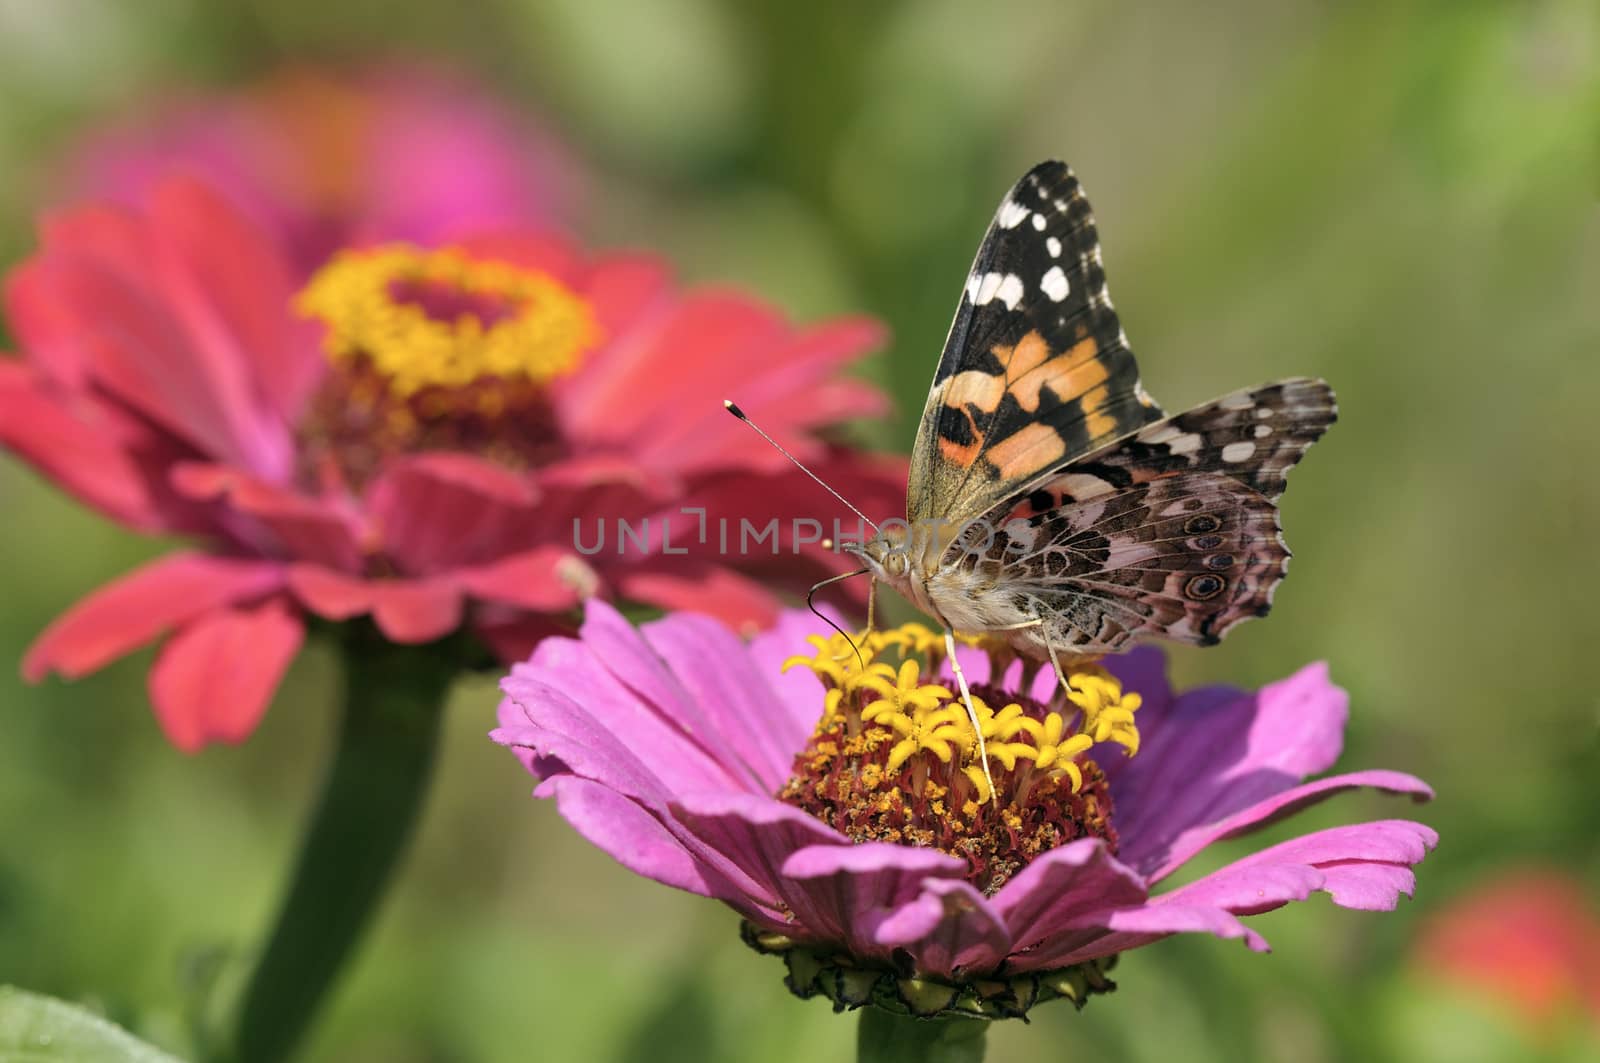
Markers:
<point>887,555</point>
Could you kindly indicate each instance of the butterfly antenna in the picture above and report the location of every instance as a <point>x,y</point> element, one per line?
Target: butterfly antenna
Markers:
<point>733,409</point>
<point>862,661</point>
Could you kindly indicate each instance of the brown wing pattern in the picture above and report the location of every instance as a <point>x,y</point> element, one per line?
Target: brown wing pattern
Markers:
<point>1182,558</point>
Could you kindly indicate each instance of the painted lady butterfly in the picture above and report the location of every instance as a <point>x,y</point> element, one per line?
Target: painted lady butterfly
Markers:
<point>1051,502</point>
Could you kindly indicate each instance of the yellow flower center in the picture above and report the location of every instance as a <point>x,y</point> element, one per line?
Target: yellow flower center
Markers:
<point>894,757</point>
<point>437,350</point>
<point>440,319</point>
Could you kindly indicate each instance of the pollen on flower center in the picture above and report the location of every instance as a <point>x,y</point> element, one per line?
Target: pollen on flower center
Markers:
<point>894,756</point>
<point>438,350</point>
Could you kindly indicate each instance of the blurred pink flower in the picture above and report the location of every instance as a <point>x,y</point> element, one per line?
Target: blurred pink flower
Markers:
<point>332,159</point>
<point>413,436</point>
<point>1528,937</point>
<point>870,837</point>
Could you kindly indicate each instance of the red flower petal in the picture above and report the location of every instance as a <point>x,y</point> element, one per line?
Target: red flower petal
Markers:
<point>291,523</point>
<point>241,288</point>
<point>214,679</point>
<point>81,456</point>
<point>135,609</point>
<point>438,510</point>
<point>412,612</point>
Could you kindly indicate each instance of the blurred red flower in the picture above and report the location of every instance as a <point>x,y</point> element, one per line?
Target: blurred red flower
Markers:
<point>412,436</point>
<point>1529,937</point>
<point>326,159</point>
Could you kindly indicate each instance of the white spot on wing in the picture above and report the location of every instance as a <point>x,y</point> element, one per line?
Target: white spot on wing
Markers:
<point>1082,485</point>
<point>1053,245</point>
<point>1263,431</point>
<point>1242,401</point>
<point>1185,444</point>
<point>1011,291</point>
<point>1054,284</point>
<point>1235,452</point>
<point>1006,286</point>
<point>1011,214</point>
<point>1039,223</point>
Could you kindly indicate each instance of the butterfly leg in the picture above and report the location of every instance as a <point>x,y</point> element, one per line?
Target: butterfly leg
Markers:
<point>972,712</point>
<point>1055,662</point>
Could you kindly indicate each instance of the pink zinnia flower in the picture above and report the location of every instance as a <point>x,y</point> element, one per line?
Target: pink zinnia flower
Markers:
<point>411,436</point>
<point>327,159</point>
<point>1527,939</point>
<point>867,847</point>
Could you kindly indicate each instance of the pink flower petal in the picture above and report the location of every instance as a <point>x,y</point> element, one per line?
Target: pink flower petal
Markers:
<point>630,834</point>
<point>1219,751</point>
<point>757,834</point>
<point>1364,865</point>
<point>137,608</point>
<point>655,755</point>
<point>860,890</point>
<point>1279,807</point>
<point>1052,894</point>
<point>627,656</point>
<point>799,693</point>
<point>734,697</point>
<point>1142,925</point>
<point>213,679</point>
<point>950,931</point>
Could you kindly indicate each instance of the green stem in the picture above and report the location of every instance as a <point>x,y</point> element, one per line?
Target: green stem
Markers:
<point>887,1037</point>
<point>370,802</point>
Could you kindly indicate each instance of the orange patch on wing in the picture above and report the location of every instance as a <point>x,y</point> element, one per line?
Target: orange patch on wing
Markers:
<point>1031,366</point>
<point>962,455</point>
<point>973,387</point>
<point>1026,452</point>
<point>959,455</point>
<point>1098,422</point>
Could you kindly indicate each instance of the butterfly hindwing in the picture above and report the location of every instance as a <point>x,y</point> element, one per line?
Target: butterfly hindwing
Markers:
<point>1036,371</point>
<point>1183,558</point>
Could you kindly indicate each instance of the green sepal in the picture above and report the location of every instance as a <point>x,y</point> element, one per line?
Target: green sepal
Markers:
<point>815,971</point>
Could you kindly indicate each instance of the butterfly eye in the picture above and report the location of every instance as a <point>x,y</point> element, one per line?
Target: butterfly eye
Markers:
<point>1202,587</point>
<point>1201,524</point>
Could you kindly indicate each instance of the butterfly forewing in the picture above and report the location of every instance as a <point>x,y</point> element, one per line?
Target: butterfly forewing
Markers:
<point>1036,371</point>
<point>1254,435</point>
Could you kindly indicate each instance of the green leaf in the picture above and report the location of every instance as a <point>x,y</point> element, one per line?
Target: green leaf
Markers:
<point>37,1029</point>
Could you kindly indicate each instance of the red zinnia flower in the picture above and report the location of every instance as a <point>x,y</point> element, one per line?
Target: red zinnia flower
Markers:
<point>1529,939</point>
<point>412,436</point>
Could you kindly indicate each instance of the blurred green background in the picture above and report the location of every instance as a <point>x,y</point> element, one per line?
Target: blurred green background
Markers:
<point>1401,197</point>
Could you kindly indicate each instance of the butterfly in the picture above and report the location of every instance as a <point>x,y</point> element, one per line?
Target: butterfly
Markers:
<point>1051,502</point>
